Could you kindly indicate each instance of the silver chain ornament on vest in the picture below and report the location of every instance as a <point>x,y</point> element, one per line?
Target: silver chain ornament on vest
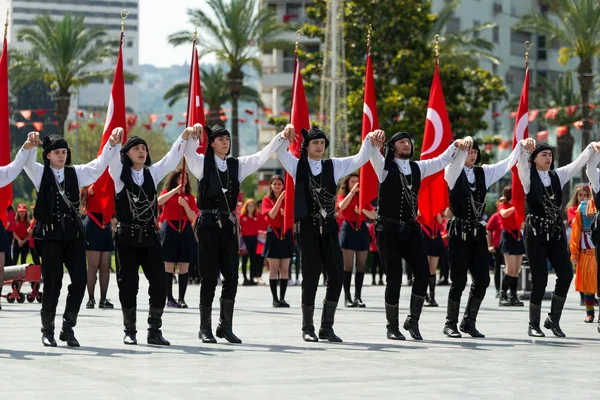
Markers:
<point>322,198</point>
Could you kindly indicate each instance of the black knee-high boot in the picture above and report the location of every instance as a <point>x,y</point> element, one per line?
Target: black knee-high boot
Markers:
<point>154,324</point>
<point>430,300</point>
<point>358,283</point>
<point>169,279</point>
<point>503,301</point>
<point>183,283</point>
<point>450,328</point>
<point>283,284</point>
<point>553,320</point>
<point>468,323</point>
<point>347,295</point>
<point>535,311</point>
<point>513,299</point>
<point>273,284</point>
<point>327,318</point>
<point>225,327</point>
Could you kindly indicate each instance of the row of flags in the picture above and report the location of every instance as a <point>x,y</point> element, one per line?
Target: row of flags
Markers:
<point>437,136</point>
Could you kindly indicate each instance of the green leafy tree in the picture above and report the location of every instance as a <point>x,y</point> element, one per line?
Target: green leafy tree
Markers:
<point>575,25</point>
<point>403,62</point>
<point>236,32</point>
<point>215,93</point>
<point>62,53</point>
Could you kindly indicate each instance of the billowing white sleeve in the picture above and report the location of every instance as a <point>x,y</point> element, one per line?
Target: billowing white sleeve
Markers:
<point>494,172</point>
<point>288,160</point>
<point>34,170</point>
<point>250,164</point>
<point>566,173</point>
<point>114,169</point>
<point>169,162</point>
<point>195,161</point>
<point>431,166</point>
<point>524,170</point>
<point>9,172</point>
<point>378,163</point>
<point>592,172</point>
<point>455,168</point>
<point>90,172</point>
<point>344,166</point>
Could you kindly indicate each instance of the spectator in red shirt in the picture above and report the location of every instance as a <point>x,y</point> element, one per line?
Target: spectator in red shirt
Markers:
<point>177,235</point>
<point>20,235</point>
<point>249,225</point>
<point>513,249</point>
<point>494,234</point>
<point>582,193</point>
<point>279,245</point>
<point>354,237</point>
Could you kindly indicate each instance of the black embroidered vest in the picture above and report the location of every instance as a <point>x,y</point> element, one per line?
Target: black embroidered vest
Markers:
<point>394,208</point>
<point>214,204</point>
<point>460,196</point>
<point>307,212</point>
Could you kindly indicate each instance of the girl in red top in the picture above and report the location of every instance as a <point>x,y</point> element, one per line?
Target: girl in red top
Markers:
<point>176,233</point>
<point>512,249</point>
<point>354,237</point>
<point>99,246</point>
<point>20,235</point>
<point>582,193</point>
<point>279,246</point>
<point>250,224</point>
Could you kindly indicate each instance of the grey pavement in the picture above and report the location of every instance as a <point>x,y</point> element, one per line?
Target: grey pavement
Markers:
<point>274,362</point>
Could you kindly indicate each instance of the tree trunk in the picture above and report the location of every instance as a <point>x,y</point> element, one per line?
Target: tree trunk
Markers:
<point>564,149</point>
<point>63,102</point>
<point>212,118</point>
<point>236,78</point>
<point>586,79</point>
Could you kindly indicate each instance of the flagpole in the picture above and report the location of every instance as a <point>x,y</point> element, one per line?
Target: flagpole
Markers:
<point>6,25</point>
<point>436,48</point>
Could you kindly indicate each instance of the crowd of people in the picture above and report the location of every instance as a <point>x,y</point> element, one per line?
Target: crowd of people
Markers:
<point>175,236</point>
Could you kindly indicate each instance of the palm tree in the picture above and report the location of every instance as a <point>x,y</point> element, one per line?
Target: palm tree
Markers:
<point>236,33</point>
<point>214,93</point>
<point>466,47</point>
<point>578,31</point>
<point>61,54</point>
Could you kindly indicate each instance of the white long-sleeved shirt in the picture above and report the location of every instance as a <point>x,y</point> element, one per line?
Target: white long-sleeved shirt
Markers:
<point>341,166</point>
<point>492,172</point>
<point>9,172</point>
<point>86,173</point>
<point>593,173</point>
<point>247,164</point>
<point>564,173</point>
<point>427,167</point>
<point>158,170</point>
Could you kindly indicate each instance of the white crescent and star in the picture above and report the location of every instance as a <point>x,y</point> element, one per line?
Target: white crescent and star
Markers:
<point>438,128</point>
<point>369,114</point>
<point>522,126</point>
<point>109,112</point>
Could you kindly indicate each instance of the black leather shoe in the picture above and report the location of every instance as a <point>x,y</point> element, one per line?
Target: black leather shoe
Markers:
<point>359,303</point>
<point>283,304</point>
<point>308,327</point>
<point>69,337</point>
<point>349,303</point>
<point>155,337</point>
<point>534,329</point>
<point>105,304</point>
<point>553,320</point>
<point>205,334</point>
<point>309,336</point>
<point>468,323</point>
<point>154,324</point>
<point>129,322</point>
<point>182,303</point>
<point>130,338</point>
<point>411,324</point>
<point>451,330</point>
<point>48,340</point>
<point>91,303</point>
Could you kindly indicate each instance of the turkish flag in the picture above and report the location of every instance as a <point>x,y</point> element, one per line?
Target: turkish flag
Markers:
<point>521,132</point>
<point>116,117</point>
<point>195,109</point>
<point>301,120</point>
<point>6,193</point>
<point>433,195</point>
<point>368,178</point>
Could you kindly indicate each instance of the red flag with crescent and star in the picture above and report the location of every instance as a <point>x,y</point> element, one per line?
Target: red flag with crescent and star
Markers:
<point>433,194</point>
<point>300,118</point>
<point>116,117</point>
<point>368,179</point>
<point>521,132</point>
<point>195,109</point>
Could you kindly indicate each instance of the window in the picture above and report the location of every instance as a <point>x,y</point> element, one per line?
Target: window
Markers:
<point>288,62</point>
<point>514,79</point>
<point>129,43</point>
<point>311,47</point>
<point>453,25</point>
<point>129,62</point>
<point>517,43</point>
<point>496,34</point>
<point>475,25</point>
<point>96,79</point>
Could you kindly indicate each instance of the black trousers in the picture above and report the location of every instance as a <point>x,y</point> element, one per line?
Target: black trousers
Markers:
<point>539,252</point>
<point>470,255</point>
<point>55,254</point>
<point>218,252</point>
<point>128,260</point>
<point>251,244</point>
<point>318,253</point>
<point>395,246</point>
<point>444,264</point>
<point>498,260</point>
<point>20,252</point>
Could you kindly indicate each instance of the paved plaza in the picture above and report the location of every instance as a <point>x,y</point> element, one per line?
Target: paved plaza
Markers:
<point>274,362</point>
